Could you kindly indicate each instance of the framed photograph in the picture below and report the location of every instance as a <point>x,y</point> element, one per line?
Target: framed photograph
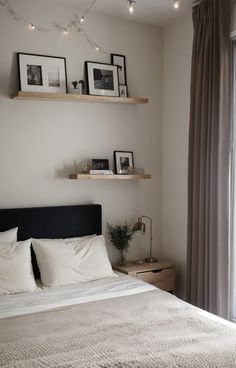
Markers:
<point>123,160</point>
<point>119,60</point>
<point>41,73</point>
<point>123,90</point>
<point>102,79</point>
<point>100,164</point>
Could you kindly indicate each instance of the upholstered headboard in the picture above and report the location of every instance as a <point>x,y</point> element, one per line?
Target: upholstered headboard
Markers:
<point>52,222</point>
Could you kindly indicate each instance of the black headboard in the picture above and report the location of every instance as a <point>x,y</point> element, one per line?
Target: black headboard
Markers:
<point>52,222</point>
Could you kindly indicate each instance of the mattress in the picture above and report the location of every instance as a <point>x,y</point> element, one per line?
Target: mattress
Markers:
<point>116,322</point>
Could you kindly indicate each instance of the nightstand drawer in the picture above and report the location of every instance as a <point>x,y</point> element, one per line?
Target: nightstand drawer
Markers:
<point>160,274</point>
<point>156,277</point>
<point>167,285</point>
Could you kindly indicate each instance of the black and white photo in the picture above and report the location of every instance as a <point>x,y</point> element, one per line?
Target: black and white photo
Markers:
<point>102,79</point>
<point>34,75</point>
<point>122,161</point>
<point>53,76</point>
<point>41,73</point>
<point>119,61</point>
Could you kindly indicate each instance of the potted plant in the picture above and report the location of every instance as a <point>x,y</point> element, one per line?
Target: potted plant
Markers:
<point>120,237</point>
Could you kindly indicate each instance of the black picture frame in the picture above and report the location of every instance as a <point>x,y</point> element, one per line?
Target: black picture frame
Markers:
<point>123,160</point>
<point>42,73</point>
<point>120,62</point>
<point>102,79</point>
<point>100,164</point>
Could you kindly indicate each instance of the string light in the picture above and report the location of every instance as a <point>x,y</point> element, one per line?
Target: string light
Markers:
<point>75,23</point>
<point>176,4</point>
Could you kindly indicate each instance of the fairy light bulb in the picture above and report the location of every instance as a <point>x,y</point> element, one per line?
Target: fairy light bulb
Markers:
<point>131,6</point>
<point>176,4</point>
<point>65,32</point>
<point>97,48</point>
<point>32,27</point>
<point>82,19</point>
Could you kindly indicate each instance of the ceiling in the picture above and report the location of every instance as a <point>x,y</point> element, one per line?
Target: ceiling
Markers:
<point>156,12</point>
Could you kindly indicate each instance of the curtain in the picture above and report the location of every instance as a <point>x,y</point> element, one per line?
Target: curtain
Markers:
<point>209,159</point>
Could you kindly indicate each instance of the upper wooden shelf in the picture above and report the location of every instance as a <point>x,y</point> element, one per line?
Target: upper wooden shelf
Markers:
<point>109,177</point>
<point>20,95</point>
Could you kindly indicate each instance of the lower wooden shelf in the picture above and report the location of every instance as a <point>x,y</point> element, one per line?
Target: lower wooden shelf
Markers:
<point>108,177</point>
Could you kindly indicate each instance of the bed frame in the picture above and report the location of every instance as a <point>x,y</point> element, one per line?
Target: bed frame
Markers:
<point>52,222</point>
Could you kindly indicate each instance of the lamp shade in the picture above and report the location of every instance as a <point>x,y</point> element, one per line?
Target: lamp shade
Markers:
<point>139,226</point>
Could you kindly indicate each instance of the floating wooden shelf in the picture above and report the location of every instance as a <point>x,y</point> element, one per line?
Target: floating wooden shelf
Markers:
<point>20,95</point>
<point>109,177</point>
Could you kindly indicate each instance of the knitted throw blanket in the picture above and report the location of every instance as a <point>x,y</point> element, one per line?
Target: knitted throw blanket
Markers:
<point>148,330</point>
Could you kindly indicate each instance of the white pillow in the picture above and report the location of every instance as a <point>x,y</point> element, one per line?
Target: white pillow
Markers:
<point>66,262</point>
<point>16,274</point>
<point>9,236</point>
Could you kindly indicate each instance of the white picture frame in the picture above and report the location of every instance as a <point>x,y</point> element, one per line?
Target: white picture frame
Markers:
<point>41,73</point>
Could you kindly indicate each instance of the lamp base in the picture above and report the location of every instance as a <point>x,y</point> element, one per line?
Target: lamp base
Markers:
<point>151,259</point>
<point>138,261</point>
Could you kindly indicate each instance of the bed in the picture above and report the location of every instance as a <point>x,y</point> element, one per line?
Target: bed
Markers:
<point>110,322</point>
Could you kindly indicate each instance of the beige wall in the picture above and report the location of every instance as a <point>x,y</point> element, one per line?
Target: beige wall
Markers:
<point>42,142</point>
<point>177,41</point>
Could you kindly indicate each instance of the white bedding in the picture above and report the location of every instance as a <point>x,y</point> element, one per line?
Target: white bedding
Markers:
<point>48,298</point>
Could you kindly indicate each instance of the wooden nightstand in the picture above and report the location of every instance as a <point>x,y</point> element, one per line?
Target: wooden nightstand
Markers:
<point>160,274</point>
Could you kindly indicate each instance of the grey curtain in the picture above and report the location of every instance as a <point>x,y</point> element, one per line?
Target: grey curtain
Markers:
<point>209,159</point>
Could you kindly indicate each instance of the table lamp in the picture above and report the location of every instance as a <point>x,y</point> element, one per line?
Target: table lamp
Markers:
<point>140,226</point>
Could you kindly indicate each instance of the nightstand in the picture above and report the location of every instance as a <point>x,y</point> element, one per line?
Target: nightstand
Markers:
<point>159,274</point>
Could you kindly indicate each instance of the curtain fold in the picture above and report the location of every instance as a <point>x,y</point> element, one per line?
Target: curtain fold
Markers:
<point>209,159</point>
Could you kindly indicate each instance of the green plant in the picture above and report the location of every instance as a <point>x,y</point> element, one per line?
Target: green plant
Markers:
<point>120,236</point>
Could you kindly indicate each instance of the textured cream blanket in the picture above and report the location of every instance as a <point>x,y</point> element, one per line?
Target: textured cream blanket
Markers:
<point>153,329</point>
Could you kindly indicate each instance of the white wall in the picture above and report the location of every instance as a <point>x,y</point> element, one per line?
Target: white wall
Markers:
<point>42,142</point>
<point>177,41</point>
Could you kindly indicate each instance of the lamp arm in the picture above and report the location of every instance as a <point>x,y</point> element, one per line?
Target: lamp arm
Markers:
<point>149,218</point>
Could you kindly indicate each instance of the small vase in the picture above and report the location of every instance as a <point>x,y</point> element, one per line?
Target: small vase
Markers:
<point>122,261</point>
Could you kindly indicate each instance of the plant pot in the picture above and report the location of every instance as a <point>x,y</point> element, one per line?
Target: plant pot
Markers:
<point>122,261</point>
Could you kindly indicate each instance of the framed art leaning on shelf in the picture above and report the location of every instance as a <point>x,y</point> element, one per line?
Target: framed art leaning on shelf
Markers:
<point>122,161</point>
<point>120,62</point>
<point>102,79</point>
<point>41,73</point>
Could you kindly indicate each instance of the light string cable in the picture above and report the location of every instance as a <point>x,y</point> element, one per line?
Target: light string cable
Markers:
<point>75,23</point>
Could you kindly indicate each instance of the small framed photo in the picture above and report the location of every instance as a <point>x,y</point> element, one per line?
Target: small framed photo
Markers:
<point>100,164</point>
<point>41,73</point>
<point>122,161</point>
<point>119,60</point>
<point>102,79</point>
<point>123,90</point>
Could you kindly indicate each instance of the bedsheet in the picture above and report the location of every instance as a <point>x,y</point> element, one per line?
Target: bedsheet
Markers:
<point>44,299</point>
